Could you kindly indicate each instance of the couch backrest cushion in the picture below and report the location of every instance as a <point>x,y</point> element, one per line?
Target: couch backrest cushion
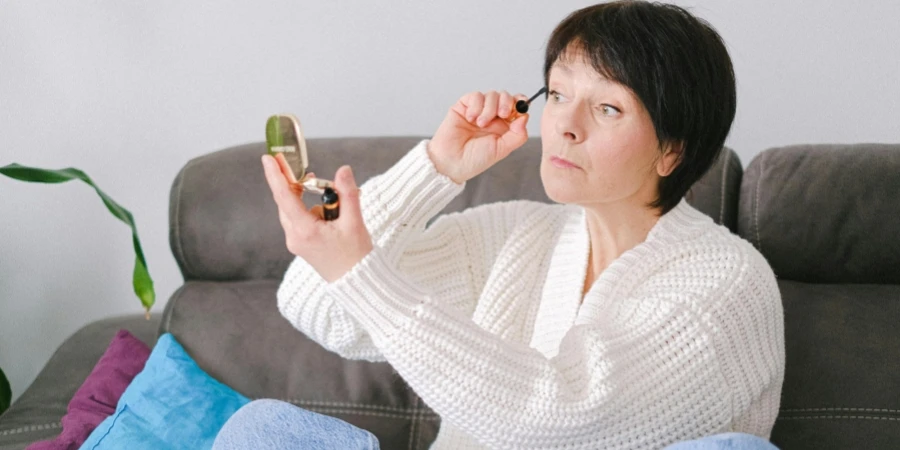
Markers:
<point>825,213</point>
<point>224,223</point>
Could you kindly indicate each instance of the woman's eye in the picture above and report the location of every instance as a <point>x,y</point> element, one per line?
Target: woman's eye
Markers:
<point>609,110</point>
<point>555,95</point>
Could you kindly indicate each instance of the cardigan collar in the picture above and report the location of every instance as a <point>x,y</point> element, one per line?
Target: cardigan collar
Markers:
<point>561,304</point>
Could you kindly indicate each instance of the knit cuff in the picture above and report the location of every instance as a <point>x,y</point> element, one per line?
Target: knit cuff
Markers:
<point>300,285</point>
<point>377,296</point>
<point>411,192</point>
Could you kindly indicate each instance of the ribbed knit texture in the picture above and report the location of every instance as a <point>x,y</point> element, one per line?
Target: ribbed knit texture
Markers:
<point>481,313</point>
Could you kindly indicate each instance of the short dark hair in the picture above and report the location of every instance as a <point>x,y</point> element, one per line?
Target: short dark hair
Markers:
<point>675,64</point>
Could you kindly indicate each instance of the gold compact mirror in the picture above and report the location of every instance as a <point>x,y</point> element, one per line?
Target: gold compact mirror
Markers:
<point>284,136</point>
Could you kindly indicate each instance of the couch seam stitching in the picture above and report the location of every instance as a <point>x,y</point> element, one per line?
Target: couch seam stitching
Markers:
<point>412,425</point>
<point>840,409</point>
<point>839,417</point>
<point>29,428</point>
<point>724,177</point>
<point>762,160</point>
<point>347,405</point>
<point>173,301</point>
<point>404,417</point>
<point>178,240</point>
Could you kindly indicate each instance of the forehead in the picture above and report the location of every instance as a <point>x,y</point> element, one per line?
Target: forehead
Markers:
<point>574,61</point>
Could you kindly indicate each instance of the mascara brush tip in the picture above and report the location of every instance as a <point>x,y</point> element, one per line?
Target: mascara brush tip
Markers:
<point>522,105</point>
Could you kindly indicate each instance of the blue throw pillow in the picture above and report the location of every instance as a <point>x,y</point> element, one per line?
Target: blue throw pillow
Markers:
<point>172,403</point>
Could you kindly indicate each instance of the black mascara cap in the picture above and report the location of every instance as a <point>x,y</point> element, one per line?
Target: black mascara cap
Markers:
<point>521,107</point>
<point>329,196</point>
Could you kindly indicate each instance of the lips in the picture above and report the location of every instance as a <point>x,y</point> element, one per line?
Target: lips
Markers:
<point>563,163</point>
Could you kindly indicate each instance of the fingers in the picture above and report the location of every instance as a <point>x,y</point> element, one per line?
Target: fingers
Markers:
<point>518,131</point>
<point>517,98</point>
<point>489,111</point>
<point>288,201</point>
<point>285,168</point>
<point>317,211</point>
<point>473,103</point>
<point>348,193</point>
<point>505,107</point>
<point>480,109</point>
<point>516,120</point>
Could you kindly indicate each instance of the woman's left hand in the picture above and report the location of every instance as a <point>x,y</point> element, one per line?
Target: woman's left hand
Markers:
<point>333,247</point>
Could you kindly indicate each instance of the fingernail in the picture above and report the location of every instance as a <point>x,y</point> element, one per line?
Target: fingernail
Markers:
<point>350,176</point>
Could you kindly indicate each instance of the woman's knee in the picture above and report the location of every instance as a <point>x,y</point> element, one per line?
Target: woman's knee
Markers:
<point>268,423</point>
<point>265,410</point>
<point>723,441</point>
<point>252,424</point>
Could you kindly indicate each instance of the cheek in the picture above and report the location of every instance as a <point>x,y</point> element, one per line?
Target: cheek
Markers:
<point>546,124</point>
<point>624,152</point>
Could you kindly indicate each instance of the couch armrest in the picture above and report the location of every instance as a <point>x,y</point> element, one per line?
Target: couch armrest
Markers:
<point>36,414</point>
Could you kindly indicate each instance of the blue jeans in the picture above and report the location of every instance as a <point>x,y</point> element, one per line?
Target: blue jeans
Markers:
<point>273,424</point>
<point>725,441</point>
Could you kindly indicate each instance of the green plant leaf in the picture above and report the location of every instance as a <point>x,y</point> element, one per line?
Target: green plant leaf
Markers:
<point>143,284</point>
<point>5,392</point>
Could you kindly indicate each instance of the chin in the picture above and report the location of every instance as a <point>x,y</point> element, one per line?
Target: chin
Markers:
<point>559,189</point>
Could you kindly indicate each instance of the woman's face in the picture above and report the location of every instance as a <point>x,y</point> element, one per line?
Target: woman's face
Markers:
<point>599,144</point>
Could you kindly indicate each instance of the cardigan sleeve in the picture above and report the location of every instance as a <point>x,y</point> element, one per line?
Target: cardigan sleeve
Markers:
<point>396,207</point>
<point>635,380</point>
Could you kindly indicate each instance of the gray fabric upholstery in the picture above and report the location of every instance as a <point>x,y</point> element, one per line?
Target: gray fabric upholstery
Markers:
<point>714,194</point>
<point>36,413</point>
<point>825,213</point>
<point>825,217</point>
<point>842,375</point>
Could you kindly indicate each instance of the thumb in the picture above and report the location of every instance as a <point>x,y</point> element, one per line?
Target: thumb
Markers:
<point>516,136</point>
<point>518,126</point>
<point>348,191</point>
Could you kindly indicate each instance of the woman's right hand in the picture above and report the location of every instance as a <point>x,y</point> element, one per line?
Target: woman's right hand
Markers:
<point>475,134</point>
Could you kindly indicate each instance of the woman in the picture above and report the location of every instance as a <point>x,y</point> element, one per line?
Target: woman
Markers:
<point>619,318</point>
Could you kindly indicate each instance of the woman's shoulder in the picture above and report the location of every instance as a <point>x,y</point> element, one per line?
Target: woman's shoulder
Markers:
<point>712,255</point>
<point>722,251</point>
<point>690,233</point>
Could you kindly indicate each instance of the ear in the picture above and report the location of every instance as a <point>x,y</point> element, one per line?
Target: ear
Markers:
<point>670,158</point>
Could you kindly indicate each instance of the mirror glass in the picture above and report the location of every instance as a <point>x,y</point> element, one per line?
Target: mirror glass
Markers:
<point>284,135</point>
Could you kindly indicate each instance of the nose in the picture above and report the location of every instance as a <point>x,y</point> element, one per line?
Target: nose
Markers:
<point>568,123</point>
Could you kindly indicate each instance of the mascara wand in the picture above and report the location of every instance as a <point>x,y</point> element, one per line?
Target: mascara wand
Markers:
<point>522,105</point>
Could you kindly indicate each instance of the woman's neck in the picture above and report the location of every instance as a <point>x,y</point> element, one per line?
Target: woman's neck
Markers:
<point>614,229</point>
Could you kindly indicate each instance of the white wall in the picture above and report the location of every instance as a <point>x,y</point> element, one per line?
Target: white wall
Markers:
<point>129,91</point>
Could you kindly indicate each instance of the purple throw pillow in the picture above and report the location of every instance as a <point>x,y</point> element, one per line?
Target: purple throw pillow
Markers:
<point>98,396</point>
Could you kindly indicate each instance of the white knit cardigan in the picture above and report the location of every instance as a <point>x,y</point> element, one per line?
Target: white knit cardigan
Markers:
<point>481,313</point>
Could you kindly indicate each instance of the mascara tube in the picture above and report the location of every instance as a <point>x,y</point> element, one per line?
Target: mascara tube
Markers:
<point>331,204</point>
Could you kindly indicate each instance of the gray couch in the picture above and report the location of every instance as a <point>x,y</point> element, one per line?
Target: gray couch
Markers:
<point>826,217</point>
